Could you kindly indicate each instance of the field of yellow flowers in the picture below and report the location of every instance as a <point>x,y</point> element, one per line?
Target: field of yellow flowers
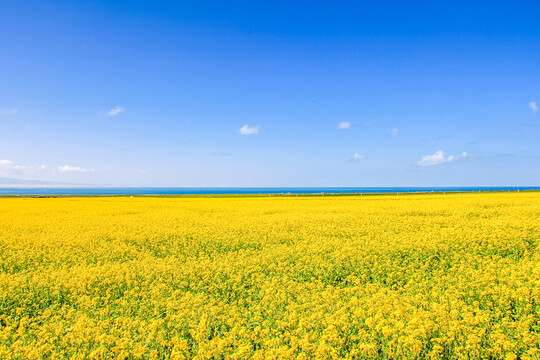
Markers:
<point>453,276</point>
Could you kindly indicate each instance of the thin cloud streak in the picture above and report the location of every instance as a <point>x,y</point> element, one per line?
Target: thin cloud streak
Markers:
<point>115,111</point>
<point>357,157</point>
<point>4,112</point>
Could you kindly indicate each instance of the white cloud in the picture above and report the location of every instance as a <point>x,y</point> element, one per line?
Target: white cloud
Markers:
<point>9,168</point>
<point>8,111</point>
<point>344,125</point>
<point>67,168</point>
<point>357,157</point>
<point>8,164</point>
<point>533,106</point>
<point>117,110</point>
<point>439,157</point>
<point>394,132</point>
<point>249,130</point>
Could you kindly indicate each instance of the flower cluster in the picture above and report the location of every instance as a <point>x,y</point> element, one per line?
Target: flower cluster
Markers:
<point>373,277</point>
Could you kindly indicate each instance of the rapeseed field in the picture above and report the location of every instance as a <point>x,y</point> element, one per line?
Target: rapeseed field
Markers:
<point>453,276</point>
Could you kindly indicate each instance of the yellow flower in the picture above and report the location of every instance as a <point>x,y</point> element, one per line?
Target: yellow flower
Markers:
<point>406,277</point>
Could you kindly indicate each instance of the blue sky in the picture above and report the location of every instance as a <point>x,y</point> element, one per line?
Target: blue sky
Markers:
<point>160,93</point>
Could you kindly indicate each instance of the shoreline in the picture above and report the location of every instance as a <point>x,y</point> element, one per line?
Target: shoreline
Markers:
<point>266,195</point>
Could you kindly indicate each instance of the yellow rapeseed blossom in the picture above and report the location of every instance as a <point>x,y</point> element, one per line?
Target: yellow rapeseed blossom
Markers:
<point>372,277</point>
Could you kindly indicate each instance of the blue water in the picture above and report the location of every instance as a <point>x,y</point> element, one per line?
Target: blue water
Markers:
<point>244,190</point>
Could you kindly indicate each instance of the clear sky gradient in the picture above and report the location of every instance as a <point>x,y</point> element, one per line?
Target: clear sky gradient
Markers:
<point>270,93</point>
